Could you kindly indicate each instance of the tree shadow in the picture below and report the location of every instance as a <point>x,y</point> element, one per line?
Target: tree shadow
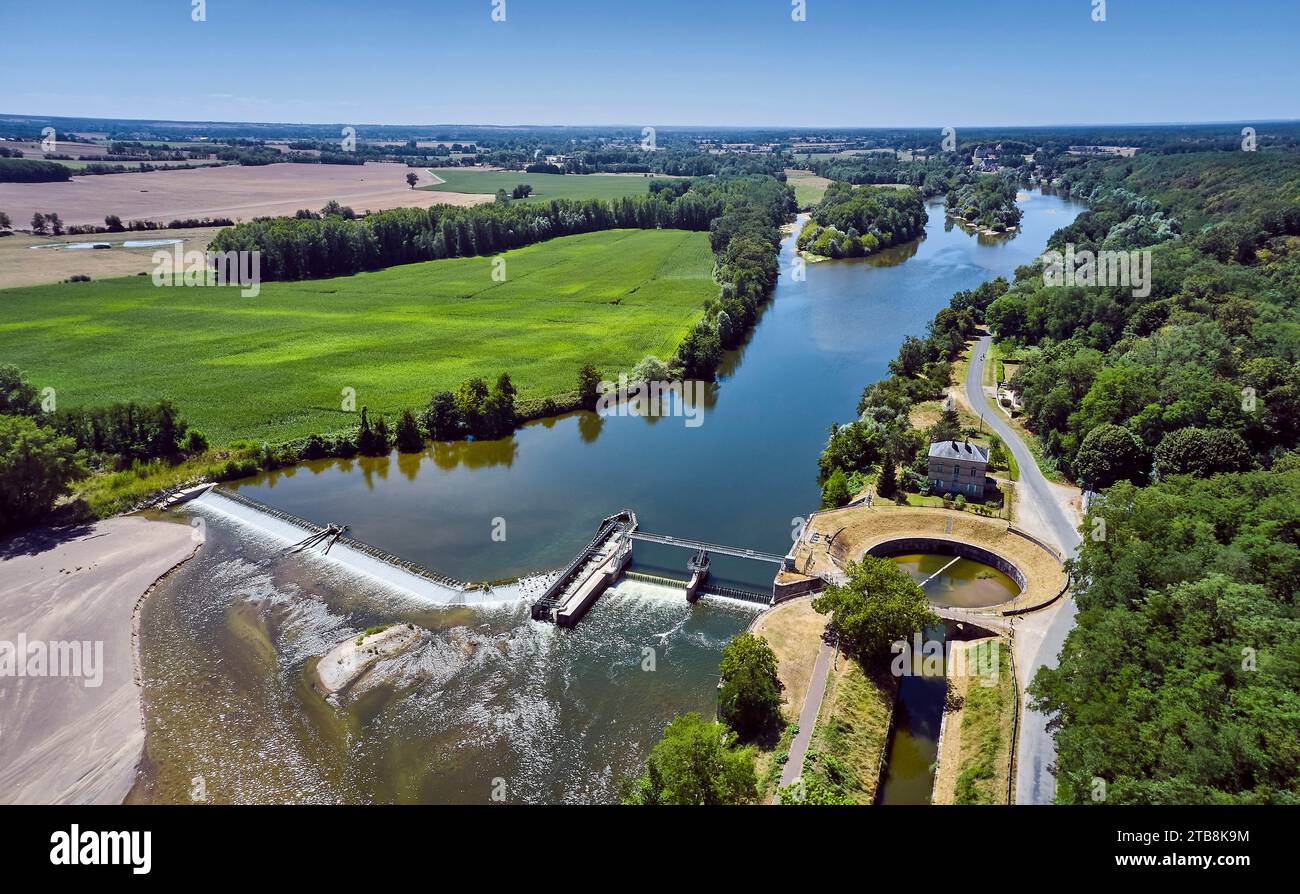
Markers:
<point>58,527</point>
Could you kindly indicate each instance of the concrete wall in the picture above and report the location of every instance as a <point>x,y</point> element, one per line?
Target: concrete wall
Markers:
<point>905,545</point>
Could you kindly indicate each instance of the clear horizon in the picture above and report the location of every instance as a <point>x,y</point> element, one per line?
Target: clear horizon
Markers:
<point>667,63</point>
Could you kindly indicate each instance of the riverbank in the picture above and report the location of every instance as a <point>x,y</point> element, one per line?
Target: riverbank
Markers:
<point>78,738</point>
<point>975,748</point>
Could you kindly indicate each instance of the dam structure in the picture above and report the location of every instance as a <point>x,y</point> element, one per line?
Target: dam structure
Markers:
<point>606,558</point>
<point>568,593</point>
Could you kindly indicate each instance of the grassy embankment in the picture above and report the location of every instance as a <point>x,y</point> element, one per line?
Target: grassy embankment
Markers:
<point>975,760</point>
<point>545,186</point>
<point>849,740</point>
<point>852,732</point>
<point>273,367</point>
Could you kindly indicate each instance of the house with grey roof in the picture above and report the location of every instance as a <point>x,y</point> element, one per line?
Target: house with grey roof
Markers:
<point>958,467</point>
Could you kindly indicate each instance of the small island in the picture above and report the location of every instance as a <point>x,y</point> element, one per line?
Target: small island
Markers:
<point>344,664</point>
<point>986,201</point>
<point>853,222</point>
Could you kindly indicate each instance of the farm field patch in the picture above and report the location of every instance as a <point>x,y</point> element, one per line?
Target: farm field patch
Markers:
<point>238,192</point>
<point>545,186</point>
<point>273,367</point>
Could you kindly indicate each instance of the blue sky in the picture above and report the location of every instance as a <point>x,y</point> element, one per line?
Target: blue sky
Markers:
<point>860,63</point>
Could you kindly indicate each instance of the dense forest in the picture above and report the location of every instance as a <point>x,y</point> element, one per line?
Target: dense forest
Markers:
<point>932,176</point>
<point>1181,681</point>
<point>851,222</point>
<point>1213,347</point>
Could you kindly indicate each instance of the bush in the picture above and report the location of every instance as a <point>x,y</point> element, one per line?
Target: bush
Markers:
<point>195,442</point>
<point>409,439</point>
<point>750,698</point>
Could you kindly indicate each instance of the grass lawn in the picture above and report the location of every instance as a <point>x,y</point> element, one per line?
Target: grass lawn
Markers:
<point>545,186</point>
<point>808,187</point>
<point>273,366</point>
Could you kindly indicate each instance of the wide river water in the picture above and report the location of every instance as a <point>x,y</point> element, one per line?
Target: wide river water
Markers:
<point>490,702</point>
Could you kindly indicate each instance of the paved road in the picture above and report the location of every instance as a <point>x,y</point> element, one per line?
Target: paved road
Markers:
<point>807,718</point>
<point>1040,635</point>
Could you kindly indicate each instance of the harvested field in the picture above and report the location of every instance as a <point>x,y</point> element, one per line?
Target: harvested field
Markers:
<point>808,187</point>
<point>234,191</point>
<point>20,265</point>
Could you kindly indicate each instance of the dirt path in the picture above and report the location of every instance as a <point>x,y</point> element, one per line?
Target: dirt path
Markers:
<point>64,739</point>
<point>807,717</point>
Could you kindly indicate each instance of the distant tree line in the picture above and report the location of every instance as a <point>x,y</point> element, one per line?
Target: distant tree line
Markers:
<point>30,170</point>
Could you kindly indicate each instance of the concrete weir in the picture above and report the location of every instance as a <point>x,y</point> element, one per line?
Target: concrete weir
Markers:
<point>352,554</point>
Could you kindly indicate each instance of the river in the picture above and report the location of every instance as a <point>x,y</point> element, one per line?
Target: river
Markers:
<point>489,702</point>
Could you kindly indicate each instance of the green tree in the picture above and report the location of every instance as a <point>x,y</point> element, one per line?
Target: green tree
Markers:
<point>442,418</point>
<point>650,369</point>
<point>412,178</point>
<point>17,396</point>
<point>887,483</point>
<point>1108,454</point>
<point>588,385</point>
<point>948,427</point>
<point>878,605</point>
<point>1201,452</point>
<point>696,762</point>
<point>36,467</point>
<point>835,493</point>
<point>471,397</point>
<point>409,439</point>
<point>750,698</point>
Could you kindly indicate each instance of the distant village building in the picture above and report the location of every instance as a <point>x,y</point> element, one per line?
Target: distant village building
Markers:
<point>958,467</point>
<point>1117,151</point>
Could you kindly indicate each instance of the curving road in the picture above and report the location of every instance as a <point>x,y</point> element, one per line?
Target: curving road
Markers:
<point>1040,635</point>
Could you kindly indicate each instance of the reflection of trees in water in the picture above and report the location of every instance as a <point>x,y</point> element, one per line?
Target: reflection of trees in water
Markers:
<point>590,425</point>
<point>475,454</point>
<point>409,464</point>
<point>373,467</point>
<point>895,254</point>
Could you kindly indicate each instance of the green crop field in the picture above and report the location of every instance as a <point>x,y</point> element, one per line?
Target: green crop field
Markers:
<point>273,366</point>
<point>545,186</point>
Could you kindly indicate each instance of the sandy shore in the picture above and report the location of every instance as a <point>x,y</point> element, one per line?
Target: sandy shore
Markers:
<point>62,741</point>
